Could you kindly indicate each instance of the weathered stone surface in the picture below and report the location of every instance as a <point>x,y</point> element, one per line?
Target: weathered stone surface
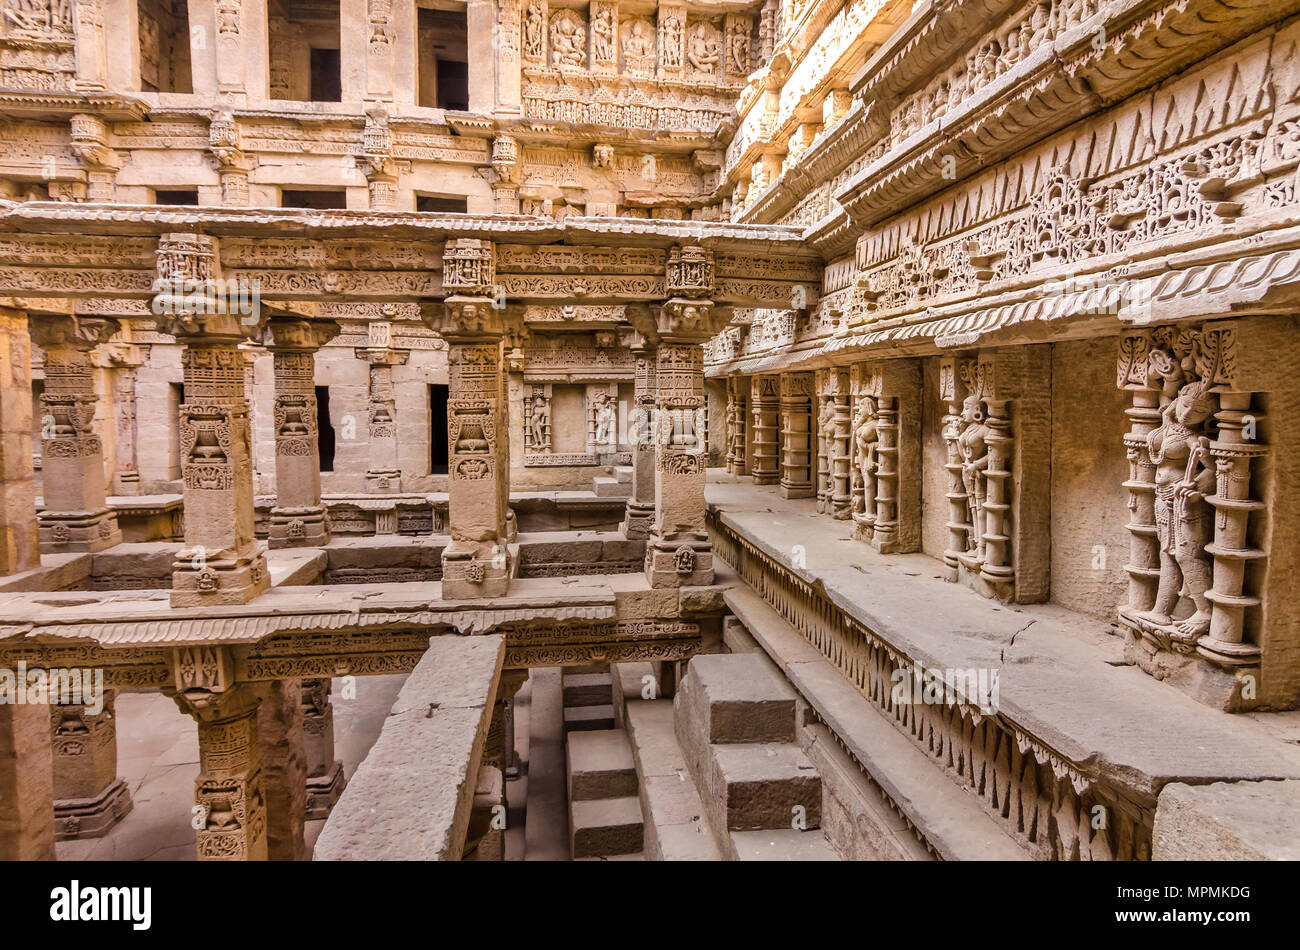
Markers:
<point>737,699</point>
<point>1227,821</point>
<point>411,798</point>
<point>600,765</point>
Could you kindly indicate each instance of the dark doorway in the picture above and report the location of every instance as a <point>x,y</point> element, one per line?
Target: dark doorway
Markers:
<point>324,429</point>
<point>325,83</point>
<point>437,430</point>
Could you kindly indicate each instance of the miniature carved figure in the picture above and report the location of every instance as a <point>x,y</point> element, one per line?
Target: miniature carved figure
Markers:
<point>972,444</point>
<point>703,49</point>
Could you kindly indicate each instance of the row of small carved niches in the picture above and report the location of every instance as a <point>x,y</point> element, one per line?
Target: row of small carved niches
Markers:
<point>665,42</point>
<point>1203,508</point>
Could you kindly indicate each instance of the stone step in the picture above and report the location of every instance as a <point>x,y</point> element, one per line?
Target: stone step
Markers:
<point>736,698</point>
<point>587,718</point>
<point>605,827</point>
<point>607,486</point>
<point>676,827</point>
<point>785,845</point>
<point>600,765</point>
<point>588,689</point>
<point>766,786</point>
<point>623,473</point>
<point>629,685</point>
<point>639,856</point>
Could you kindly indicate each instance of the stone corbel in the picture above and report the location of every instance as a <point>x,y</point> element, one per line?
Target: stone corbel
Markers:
<point>89,143</point>
<point>225,145</point>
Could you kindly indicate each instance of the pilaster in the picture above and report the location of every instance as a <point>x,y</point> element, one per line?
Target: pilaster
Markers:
<point>477,562</point>
<point>298,518</point>
<point>221,562</point>
<point>325,778</point>
<point>76,515</point>
<point>641,506</point>
<point>89,798</point>
<point>383,475</point>
<point>26,782</point>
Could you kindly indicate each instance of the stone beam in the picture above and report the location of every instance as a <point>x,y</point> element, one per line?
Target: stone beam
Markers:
<point>412,797</point>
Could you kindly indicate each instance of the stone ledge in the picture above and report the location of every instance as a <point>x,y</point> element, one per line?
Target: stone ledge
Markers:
<point>1228,821</point>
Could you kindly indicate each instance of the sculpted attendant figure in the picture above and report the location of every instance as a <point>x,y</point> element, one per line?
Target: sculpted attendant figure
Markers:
<point>1184,475</point>
<point>866,438</point>
<point>973,446</point>
<point>541,417</point>
<point>605,421</point>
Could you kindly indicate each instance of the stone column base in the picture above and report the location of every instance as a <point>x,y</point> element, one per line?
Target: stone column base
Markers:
<point>299,527</point>
<point>380,483</point>
<point>63,532</point>
<point>638,520</point>
<point>323,791</point>
<point>471,571</point>
<point>220,581</point>
<point>92,817</point>
<point>679,563</point>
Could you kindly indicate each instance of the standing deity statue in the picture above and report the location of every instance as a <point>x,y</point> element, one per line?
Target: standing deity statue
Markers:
<point>972,445</point>
<point>538,422</point>
<point>534,31</point>
<point>606,421</point>
<point>866,439</point>
<point>826,422</point>
<point>1184,526</point>
<point>602,35</point>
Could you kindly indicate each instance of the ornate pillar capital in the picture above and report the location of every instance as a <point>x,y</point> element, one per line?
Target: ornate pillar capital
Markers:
<point>289,334</point>
<point>192,300</point>
<point>72,331</point>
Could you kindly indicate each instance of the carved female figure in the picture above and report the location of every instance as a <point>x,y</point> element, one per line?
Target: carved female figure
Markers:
<point>534,31</point>
<point>1184,475</point>
<point>972,444</point>
<point>539,420</point>
<point>605,421</point>
<point>866,438</point>
<point>602,35</point>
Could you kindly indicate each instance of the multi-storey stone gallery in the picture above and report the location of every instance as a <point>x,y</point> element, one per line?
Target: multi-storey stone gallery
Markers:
<point>649,429</point>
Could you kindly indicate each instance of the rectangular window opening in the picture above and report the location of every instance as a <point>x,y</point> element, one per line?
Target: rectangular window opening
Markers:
<point>443,61</point>
<point>164,27</point>
<point>318,200</point>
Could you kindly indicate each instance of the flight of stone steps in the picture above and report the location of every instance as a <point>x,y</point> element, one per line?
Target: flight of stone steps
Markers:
<point>715,774</point>
<point>604,811</point>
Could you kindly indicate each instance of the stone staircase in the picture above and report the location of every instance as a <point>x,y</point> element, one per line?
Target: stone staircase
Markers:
<point>719,773</point>
<point>735,722</point>
<point>604,811</point>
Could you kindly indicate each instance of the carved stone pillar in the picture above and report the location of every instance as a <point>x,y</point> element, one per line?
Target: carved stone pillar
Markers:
<point>284,768</point>
<point>678,552</point>
<point>89,798</point>
<point>737,417</point>
<point>796,435</point>
<point>325,778</point>
<point>508,56</point>
<point>221,562</point>
<point>383,475</point>
<point>19,548</point>
<point>641,506</point>
<point>298,518</point>
<point>26,781</point>
<point>76,516</point>
<point>765,404</point>
<point>476,563</point>
<point>1143,566</point>
<point>230,812</point>
<point>886,454</point>
<point>953,374</point>
<point>833,422</point>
